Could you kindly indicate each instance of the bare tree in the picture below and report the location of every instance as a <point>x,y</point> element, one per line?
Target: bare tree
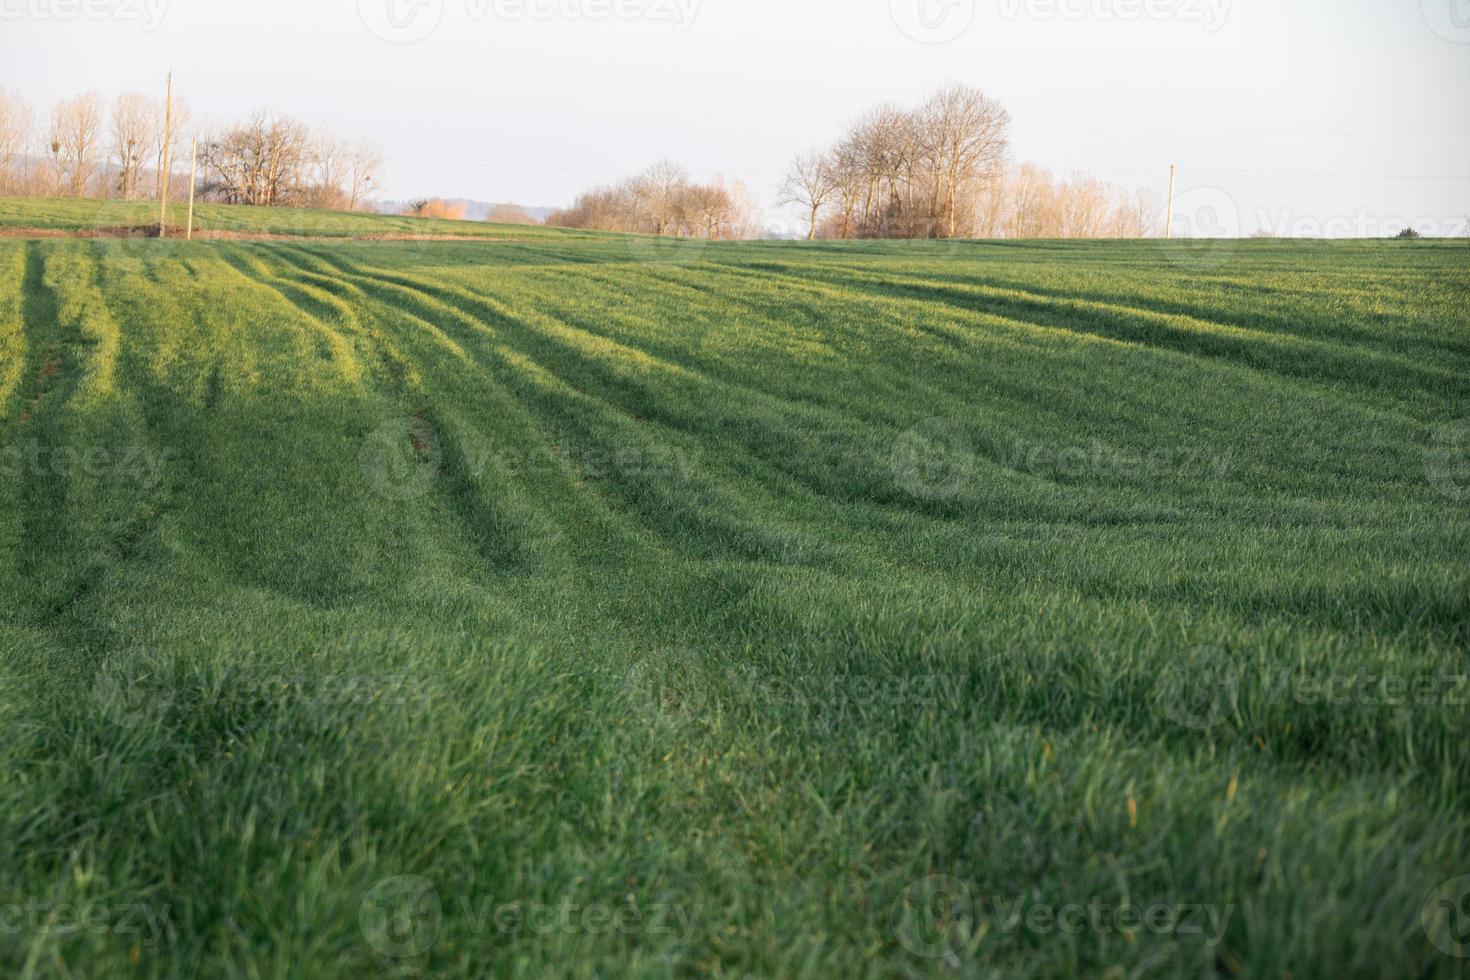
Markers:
<point>1137,215</point>
<point>901,173</point>
<point>177,140</point>
<point>809,185</point>
<point>56,174</point>
<point>262,161</point>
<point>663,201</point>
<point>967,138</point>
<point>660,193</point>
<point>73,136</point>
<point>286,146</point>
<point>268,159</point>
<point>651,202</point>
<point>364,160</point>
<point>1033,210</point>
<point>342,172</point>
<point>133,119</point>
<point>1085,205</point>
<point>708,208</point>
<point>15,135</point>
<point>882,149</point>
<point>605,208</point>
<point>991,204</point>
<point>746,218</point>
<point>325,183</point>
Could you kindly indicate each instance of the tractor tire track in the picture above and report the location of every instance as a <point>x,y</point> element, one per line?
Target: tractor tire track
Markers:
<point>715,520</point>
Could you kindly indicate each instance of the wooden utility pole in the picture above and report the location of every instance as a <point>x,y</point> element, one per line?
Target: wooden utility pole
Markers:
<point>168,144</point>
<point>193,169</point>
<point>1169,215</point>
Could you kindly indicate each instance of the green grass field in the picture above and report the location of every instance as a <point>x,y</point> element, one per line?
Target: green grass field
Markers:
<point>600,608</point>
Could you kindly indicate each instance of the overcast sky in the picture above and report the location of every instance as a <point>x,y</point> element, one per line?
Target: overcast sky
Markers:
<point>1300,116</point>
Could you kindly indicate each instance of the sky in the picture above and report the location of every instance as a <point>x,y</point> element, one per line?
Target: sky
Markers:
<point>1307,117</point>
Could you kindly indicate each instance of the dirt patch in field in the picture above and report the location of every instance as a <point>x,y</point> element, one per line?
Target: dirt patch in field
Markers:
<point>34,233</point>
<point>223,234</point>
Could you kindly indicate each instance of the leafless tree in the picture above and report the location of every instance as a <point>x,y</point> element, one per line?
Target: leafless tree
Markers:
<point>1029,203</point>
<point>664,201</point>
<point>991,204</point>
<point>133,119</point>
<point>746,218</point>
<point>606,208</point>
<point>884,147</point>
<point>56,177</point>
<point>324,185</point>
<point>1033,207</point>
<point>708,209</point>
<point>1137,215</point>
<point>73,135</point>
<point>966,136</point>
<point>262,161</point>
<point>939,171</point>
<point>908,173</point>
<point>1085,205</point>
<point>809,185</point>
<point>659,192</point>
<point>15,136</point>
<point>267,159</point>
<point>178,124</point>
<point>364,160</point>
<point>847,165</point>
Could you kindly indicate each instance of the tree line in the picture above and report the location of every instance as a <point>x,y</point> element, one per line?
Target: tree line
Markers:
<point>272,160</point>
<point>941,170</point>
<point>665,200</point>
<point>81,147</point>
<point>1027,201</point>
<point>937,170</point>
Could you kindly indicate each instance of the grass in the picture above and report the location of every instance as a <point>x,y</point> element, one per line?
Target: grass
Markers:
<point>84,215</point>
<point>581,608</point>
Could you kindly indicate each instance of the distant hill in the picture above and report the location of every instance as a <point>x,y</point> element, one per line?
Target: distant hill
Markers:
<point>474,210</point>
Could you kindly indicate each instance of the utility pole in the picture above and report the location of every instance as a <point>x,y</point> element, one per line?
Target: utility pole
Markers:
<point>193,169</point>
<point>168,143</point>
<point>1169,215</point>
